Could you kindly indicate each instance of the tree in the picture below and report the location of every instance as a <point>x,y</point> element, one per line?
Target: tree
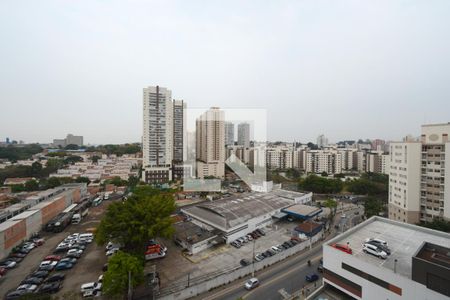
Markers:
<point>115,281</point>
<point>437,224</point>
<point>31,185</point>
<point>372,206</point>
<point>82,179</point>
<point>36,169</point>
<point>72,159</point>
<point>95,158</point>
<point>324,174</point>
<point>71,147</point>
<point>53,182</point>
<point>145,215</point>
<point>321,185</point>
<point>133,181</point>
<point>17,188</point>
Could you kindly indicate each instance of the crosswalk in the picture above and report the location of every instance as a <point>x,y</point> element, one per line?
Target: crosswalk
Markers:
<point>284,294</point>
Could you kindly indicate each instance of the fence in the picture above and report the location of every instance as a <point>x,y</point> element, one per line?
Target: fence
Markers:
<point>195,286</point>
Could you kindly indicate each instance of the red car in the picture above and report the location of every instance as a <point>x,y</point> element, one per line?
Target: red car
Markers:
<point>344,248</point>
<point>38,242</point>
<point>53,257</point>
<point>3,271</point>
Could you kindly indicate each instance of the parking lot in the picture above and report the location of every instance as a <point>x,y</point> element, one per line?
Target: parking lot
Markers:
<point>88,267</point>
<point>175,266</point>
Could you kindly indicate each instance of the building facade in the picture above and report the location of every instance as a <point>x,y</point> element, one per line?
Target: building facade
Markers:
<point>229,133</point>
<point>244,134</point>
<point>210,143</point>
<point>157,140</point>
<point>419,171</point>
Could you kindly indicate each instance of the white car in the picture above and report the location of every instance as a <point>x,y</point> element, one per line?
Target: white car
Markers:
<point>74,252</point>
<point>251,283</point>
<point>374,250</point>
<point>48,263</point>
<point>100,278</point>
<point>384,243</point>
<point>27,287</point>
<point>91,286</point>
<point>112,251</point>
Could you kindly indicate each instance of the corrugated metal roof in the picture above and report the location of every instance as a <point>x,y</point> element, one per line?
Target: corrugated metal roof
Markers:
<point>25,214</point>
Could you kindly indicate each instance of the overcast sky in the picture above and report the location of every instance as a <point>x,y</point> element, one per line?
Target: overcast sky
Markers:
<point>347,69</point>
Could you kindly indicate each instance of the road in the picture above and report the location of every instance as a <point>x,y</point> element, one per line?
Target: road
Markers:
<point>288,275</point>
<point>284,277</point>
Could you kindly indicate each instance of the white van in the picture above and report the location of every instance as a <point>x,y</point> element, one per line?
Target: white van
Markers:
<point>374,250</point>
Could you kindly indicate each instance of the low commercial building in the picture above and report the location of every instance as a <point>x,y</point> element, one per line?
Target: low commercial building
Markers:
<point>19,223</point>
<point>417,268</point>
<point>237,216</point>
<point>194,238</point>
<point>297,197</point>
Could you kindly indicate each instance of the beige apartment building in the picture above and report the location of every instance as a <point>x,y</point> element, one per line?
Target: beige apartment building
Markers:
<point>418,169</point>
<point>210,143</point>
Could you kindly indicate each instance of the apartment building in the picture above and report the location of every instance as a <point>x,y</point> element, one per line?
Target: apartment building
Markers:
<point>418,172</point>
<point>322,141</point>
<point>210,143</point>
<point>319,161</point>
<point>229,133</point>
<point>244,134</point>
<point>279,158</point>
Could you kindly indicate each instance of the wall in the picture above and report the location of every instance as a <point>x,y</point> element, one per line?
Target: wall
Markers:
<point>178,291</point>
<point>15,233</point>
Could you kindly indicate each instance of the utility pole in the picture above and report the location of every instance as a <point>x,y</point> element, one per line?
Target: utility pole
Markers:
<point>253,259</point>
<point>130,292</point>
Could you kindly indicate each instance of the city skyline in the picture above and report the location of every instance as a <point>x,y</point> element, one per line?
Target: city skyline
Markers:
<point>341,72</point>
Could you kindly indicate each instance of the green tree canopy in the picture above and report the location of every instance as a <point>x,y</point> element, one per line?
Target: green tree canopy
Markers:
<point>71,147</point>
<point>143,216</point>
<point>321,185</point>
<point>14,152</point>
<point>115,281</point>
<point>372,206</point>
<point>31,185</point>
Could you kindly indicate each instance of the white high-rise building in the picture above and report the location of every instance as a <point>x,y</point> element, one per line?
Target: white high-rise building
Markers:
<point>210,143</point>
<point>322,141</point>
<point>244,134</point>
<point>179,130</point>
<point>229,133</point>
<point>419,174</point>
<point>158,130</point>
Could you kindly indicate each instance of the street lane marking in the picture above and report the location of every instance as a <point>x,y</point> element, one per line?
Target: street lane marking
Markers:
<point>316,258</point>
<point>284,294</point>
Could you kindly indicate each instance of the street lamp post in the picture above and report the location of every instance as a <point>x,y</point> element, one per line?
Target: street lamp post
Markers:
<point>253,259</point>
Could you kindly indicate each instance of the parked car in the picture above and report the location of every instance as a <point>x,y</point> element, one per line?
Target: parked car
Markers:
<point>51,287</point>
<point>32,280</point>
<point>379,241</point>
<point>272,252</point>
<point>91,286</point>
<point>245,262</point>
<point>74,253</point>
<point>259,257</point>
<point>112,251</point>
<point>379,245</point>
<point>8,264</point>
<point>15,294</point>
<point>312,277</point>
<point>15,259</point>
<point>30,288</point>
<point>18,254</point>
<point>251,283</point>
<point>39,274</point>
<point>374,250</point>
<point>63,266</point>
<point>105,268</point>
<point>38,241</point>
<point>236,244</point>
<point>53,257</point>
<point>276,249</point>
<point>249,237</point>
<point>342,247</point>
<point>77,246</point>
<point>3,271</point>
<point>56,277</point>
<point>70,260</point>
<point>261,231</point>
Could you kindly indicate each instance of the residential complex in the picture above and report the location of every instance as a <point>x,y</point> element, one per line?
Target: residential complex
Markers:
<point>69,140</point>
<point>107,167</point>
<point>322,141</point>
<point>210,143</point>
<point>418,190</point>
<point>417,268</point>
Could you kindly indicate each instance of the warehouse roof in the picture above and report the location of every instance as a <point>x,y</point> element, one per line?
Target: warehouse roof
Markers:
<point>302,211</point>
<point>233,211</point>
<point>288,194</point>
